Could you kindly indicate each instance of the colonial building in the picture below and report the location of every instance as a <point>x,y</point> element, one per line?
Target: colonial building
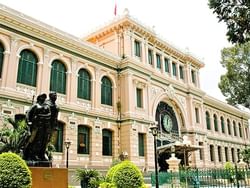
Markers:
<point>112,86</point>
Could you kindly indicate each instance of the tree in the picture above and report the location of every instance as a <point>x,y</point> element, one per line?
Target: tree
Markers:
<point>245,154</point>
<point>235,84</point>
<point>236,15</point>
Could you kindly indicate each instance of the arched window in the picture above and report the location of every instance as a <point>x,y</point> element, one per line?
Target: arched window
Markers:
<point>208,121</point>
<point>106,93</point>
<point>234,126</point>
<point>222,124</point>
<point>57,139</point>
<point>84,85</point>
<point>228,127</point>
<point>1,58</point>
<point>215,123</point>
<point>106,142</point>
<point>58,77</point>
<point>83,140</point>
<point>27,68</point>
<point>240,130</point>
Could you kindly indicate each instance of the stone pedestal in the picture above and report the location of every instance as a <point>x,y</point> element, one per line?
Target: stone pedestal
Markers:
<point>173,163</point>
<point>49,177</point>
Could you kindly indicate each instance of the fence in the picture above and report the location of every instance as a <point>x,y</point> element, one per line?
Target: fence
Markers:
<point>196,178</point>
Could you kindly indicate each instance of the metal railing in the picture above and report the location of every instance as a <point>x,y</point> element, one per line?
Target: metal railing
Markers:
<point>196,178</point>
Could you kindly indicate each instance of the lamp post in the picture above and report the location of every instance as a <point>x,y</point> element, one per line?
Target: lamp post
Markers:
<point>154,130</point>
<point>67,145</point>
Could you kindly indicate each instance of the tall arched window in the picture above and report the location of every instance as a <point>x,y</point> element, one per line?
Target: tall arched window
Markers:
<point>240,130</point>
<point>106,142</point>
<point>215,123</point>
<point>208,121</point>
<point>234,127</point>
<point>106,93</point>
<point>222,124</point>
<point>58,77</point>
<point>27,68</point>
<point>83,140</point>
<point>228,127</point>
<point>1,58</point>
<point>57,138</point>
<point>84,85</point>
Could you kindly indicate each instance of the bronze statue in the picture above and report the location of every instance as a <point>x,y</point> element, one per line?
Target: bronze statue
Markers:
<point>42,121</point>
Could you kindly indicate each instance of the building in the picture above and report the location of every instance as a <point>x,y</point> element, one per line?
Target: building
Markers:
<point>112,86</point>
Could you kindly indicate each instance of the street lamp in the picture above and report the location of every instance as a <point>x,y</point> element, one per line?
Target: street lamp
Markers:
<point>67,145</point>
<point>154,131</point>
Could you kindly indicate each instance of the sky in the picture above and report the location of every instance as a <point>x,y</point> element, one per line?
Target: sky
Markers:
<point>187,24</point>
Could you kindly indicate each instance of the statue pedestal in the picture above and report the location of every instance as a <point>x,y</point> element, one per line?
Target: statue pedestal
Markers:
<point>173,163</point>
<point>49,177</point>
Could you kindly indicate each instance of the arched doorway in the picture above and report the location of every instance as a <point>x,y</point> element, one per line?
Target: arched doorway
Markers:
<point>168,131</point>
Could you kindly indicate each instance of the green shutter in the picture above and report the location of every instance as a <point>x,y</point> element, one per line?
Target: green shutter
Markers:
<point>228,127</point>
<point>141,144</point>
<point>27,68</point>
<point>166,61</point>
<point>222,125</point>
<point>57,138</point>
<point>106,142</point>
<point>1,58</point>
<point>83,140</point>
<point>139,97</point>
<point>158,60</point>
<point>174,69</point>
<point>215,123</point>
<point>58,77</point>
<point>106,91</point>
<point>181,72</point>
<point>208,121</point>
<point>84,85</point>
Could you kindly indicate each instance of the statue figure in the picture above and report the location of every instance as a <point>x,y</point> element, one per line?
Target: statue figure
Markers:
<point>42,121</point>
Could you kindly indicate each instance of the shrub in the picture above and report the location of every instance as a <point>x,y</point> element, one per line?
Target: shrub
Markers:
<point>14,172</point>
<point>88,177</point>
<point>125,175</point>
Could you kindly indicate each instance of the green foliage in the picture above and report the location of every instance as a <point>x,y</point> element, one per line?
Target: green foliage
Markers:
<point>90,176</point>
<point>14,173</point>
<point>107,185</point>
<point>235,84</point>
<point>13,139</point>
<point>246,155</point>
<point>125,175</point>
<point>228,166</point>
<point>236,15</point>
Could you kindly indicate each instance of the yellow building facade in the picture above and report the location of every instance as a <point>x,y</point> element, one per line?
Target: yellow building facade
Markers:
<point>112,86</point>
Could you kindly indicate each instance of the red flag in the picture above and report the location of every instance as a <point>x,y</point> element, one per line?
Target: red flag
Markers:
<point>115,9</point>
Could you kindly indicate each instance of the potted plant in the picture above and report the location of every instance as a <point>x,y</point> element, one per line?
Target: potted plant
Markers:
<point>89,178</point>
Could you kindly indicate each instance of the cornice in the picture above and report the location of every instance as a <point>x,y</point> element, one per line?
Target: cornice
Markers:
<point>25,24</point>
<point>126,23</point>
<point>215,103</point>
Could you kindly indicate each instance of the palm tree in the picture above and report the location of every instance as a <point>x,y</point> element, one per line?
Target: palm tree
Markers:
<point>14,134</point>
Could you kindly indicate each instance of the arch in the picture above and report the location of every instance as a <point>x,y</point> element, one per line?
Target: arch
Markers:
<point>90,71</point>
<point>83,139</point>
<point>173,101</point>
<point>106,91</point>
<point>27,68</point>
<point>234,128</point>
<point>62,60</point>
<point>111,78</point>
<point>58,77</point>
<point>84,84</point>
<point>32,49</point>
